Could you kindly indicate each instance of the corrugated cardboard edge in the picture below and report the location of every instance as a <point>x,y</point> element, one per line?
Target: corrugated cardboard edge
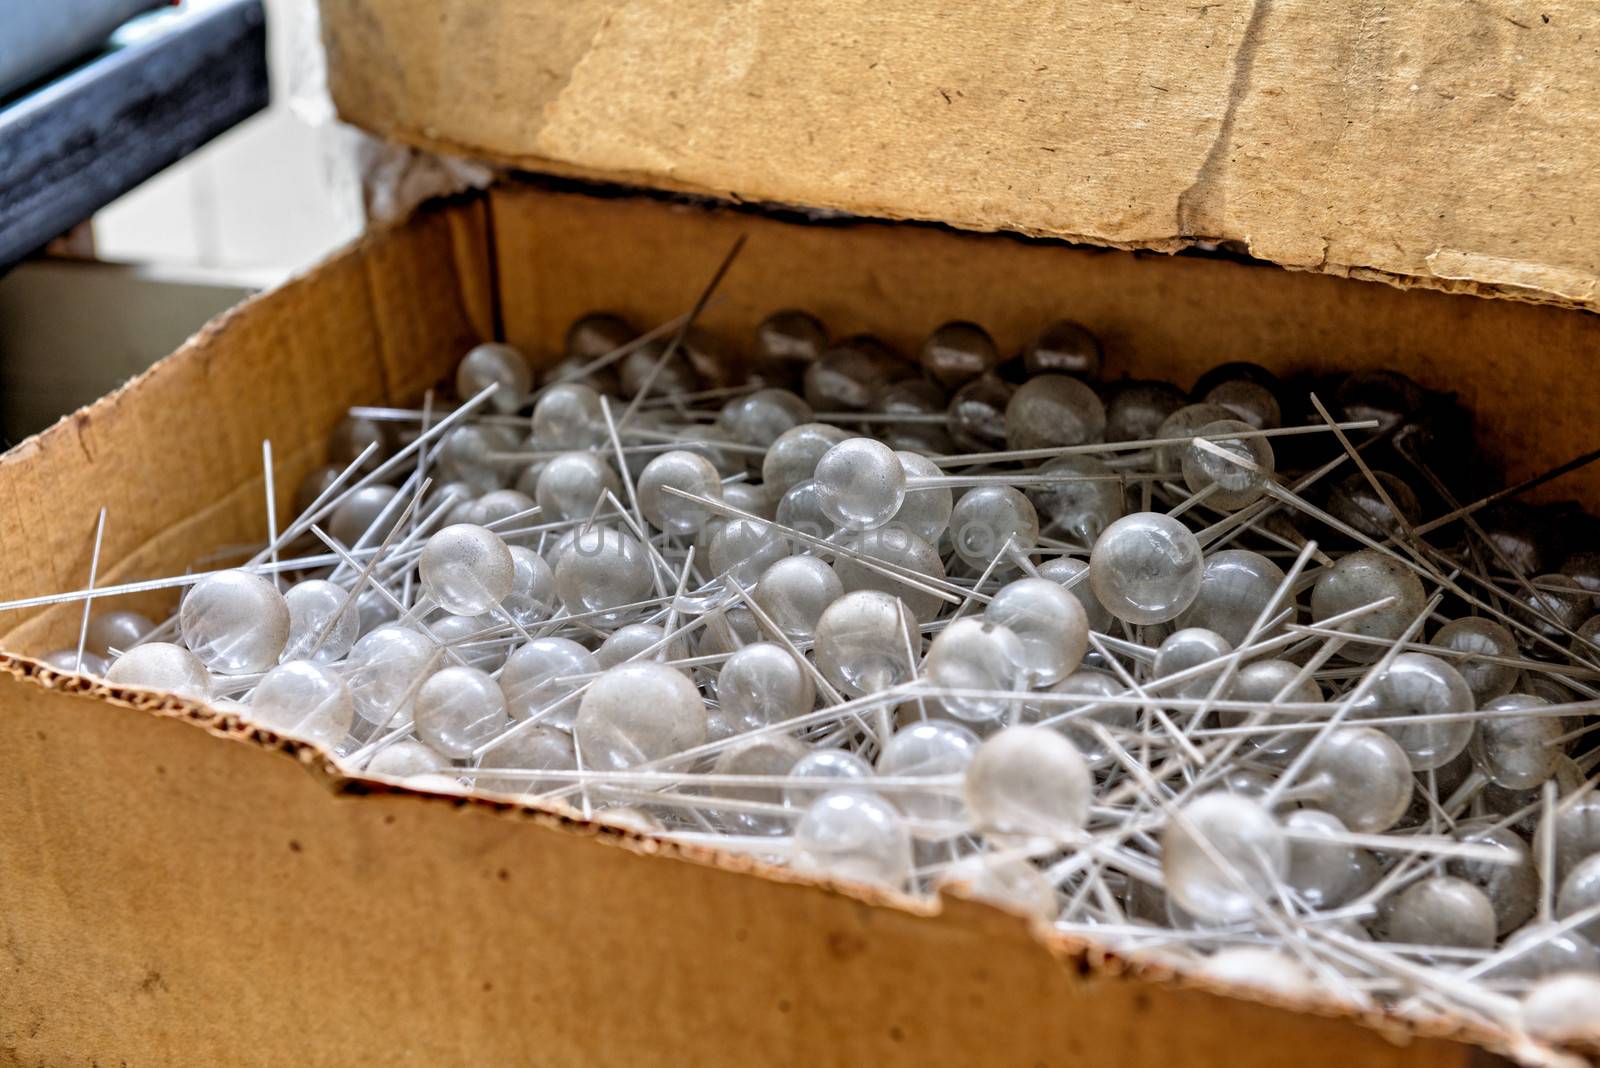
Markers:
<point>1078,956</point>
<point>1435,144</point>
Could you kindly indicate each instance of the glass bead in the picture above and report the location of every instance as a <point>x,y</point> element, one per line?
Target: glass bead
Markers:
<point>458,709</point>
<point>958,352</point>
<point>749,497</point>
<point>1190,648</point>
<point>464,457</point>
<point>1029,783</point>
<point>1580,890</point>
<point>914,397</point>
<point>119,631</point>
<point>353,521</point>
<point>1245,853</point>
<point>471,639</point>
<point>1359,579</point>
<point>1078,510</point>
<point>1235,485</point>
<point>1478,636</point>
<point>539,748</point>
<point>1048,411</point>
<point>860,483</point>
<point>315,606</point>
<point>1323,868</point>
<point>529,677</point>
<point>630,642</point>
<point>598,334</point>
<point>1072,575</point>
<point>1265,681</point>
<point>985,519</point>
<point>787,342</point>
<point>893,545</point>
<point>383,671</point>
<point>799,509</point>
<point>1185,422</point>
<point>1538,951</point>
<point>161,666</point>
<point>973,654</point>
<point>1561,1009</point>
<point>1236,585</point>
<point>1512,888</point>
<point>684,471</point>
<point>932,748</point>
<point>1250,402</point>
<point>759,418</point>
<point>1267,971</point>
<point>792,458</point>
<point>1441,911</point>
<point>1063,347</point>
<point>495,509</point>
<point>1416,684</point>
<point>1050,623</point>
<point>728,632</point>
<point>637,713</point>
<point>1355,502</point>
<point>865,642</point>
<point>675,376</point>
<point>569,415</point>
<point>66,660</point>
<point>1135,410</point>
<point>976,416</point>
<point>1011,883</point>
<point>763,684</point>
<point>235,622</point>
<point>925,512</point>
<point>745,548</point>
<point>604,570</point>
<point>1146,568</point>
<point>1090,683</point>
<point>498,365</point>
<point>533,587</point>
<point>572,484</point>
<point>847,376</point>
<point>314,485</point>
<point>351,437</point>
<point>1557,605</point>
<point>466,570</point>
<point>1387,396</point>
<point>1518,752</point>
<point>402,760</point>
<point>855,837</point>
<point>838,767</point>
<point>1362,776</point>
<point>795,591</point>
<point>304,700</point>
<point>772,755</point>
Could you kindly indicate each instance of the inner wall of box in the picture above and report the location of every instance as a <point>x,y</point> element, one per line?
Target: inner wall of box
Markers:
<point>177,459</point>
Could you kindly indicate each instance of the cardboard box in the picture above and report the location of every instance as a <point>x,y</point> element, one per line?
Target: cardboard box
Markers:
<point>179,888</point>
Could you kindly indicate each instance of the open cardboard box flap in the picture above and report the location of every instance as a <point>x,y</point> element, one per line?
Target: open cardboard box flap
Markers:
<point>170,896</point>
<point>1432,143</point>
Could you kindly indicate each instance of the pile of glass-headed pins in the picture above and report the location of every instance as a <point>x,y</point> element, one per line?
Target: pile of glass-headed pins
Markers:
<point>1264,687</point>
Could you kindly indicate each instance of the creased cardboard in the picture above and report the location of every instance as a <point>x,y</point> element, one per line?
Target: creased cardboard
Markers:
<point>182,889</point>
<point>1434,143</point>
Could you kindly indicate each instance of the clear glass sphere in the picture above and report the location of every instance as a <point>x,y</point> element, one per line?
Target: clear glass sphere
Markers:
<point>1561,1009</point>
<point>787,342</point>
<point>355,521</point>
<point>464,457</point>
<point>799,509</point>
<point>529,679</point>
<point>1185,422</point>
<point>1029,783</point>
<point>636,713</point>
<point>792,457</point>
<point>1356,502</point>
<point>1236,483</point>
<point>539,748</point>
<point>1250,402</point>
<point>1362,776</point>
<point>976,416</point>
<point>1135,410</point>
<point>1541,950</point>
<point>235,622</point>
<point>1146,568</point>
<point>974,654</point>
<point>1512,888</point>
<point>1580,891</point>
<point>865,642</point>
<point>745,548</point>
<point>856,837</point>
<point>603,570</point>
<point>533,587</point>
<point>162,666</point>
<point>1416,684</point>
<point>1048,411</point>
<point>1360,579</point>
<point>1011,883</point>
<point>1236,586</point>
<point>847,375</point>
<point>458,709</point>
<point>119,631</point>
<point>958,352</point>
<point>1063,347</point>
<point>1441,911</point>
<point>304,700</point>
<point>1089,684</point>
<point>568,415</point>
<point>1085,501</point>
<point>572,484</point>
<point>1073,576</point>
<point>932,748</point>
<point>66,661</point>
<point>466,570</point>
<point>498,365</point>
<point>985,519</point>
<point>860,483</point>
<point>474,642</point>
<point>903,549</point>
<point>925,512</point>
<point>384,670</point>
<point>1190,648</point>
<point>324,622</point>
<point>1518,752</point>
<point>771,755</point>
<point>836,769</point>
<point>1220,854</point>
<point>1263,682</point>
<point>686,471</point>
<point>630,642</point>
<point>762,684</point>
<point>795,591</point>
<point>404,759</point>
<point>1324,870</point>
<point>352,436</point>
<point>1048,620</point>
<point>759,418</point>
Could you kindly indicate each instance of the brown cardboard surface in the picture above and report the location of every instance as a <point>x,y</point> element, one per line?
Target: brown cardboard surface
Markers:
<point>1435,143</point>
<point>172,896</point>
